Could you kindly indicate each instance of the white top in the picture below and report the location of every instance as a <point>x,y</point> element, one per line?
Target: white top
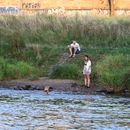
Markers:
<point>87,66</point>
<point>76,46</point>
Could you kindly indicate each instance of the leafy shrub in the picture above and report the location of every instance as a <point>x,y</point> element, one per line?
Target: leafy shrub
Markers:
<point>2,68</point>
<point>111,71</point>
<point>67,71</point>
<point>127,79</point>
<point>15,70</point>
<point>24,69</point>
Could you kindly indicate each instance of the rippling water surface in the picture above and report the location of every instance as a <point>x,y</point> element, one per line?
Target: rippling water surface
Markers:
<point>32,110</point>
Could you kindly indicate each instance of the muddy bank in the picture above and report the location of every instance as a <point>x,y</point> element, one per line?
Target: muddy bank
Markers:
<point>56,84</point>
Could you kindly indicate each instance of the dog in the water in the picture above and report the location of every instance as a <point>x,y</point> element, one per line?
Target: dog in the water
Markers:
<point>47,89</point>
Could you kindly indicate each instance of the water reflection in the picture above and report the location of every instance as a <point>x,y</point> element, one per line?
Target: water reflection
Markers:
<point>32,110</point>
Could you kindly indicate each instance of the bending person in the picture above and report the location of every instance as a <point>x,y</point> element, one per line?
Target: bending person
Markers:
<point>74,48</point>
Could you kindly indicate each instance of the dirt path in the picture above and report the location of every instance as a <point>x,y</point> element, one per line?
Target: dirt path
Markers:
<point>64,58</point>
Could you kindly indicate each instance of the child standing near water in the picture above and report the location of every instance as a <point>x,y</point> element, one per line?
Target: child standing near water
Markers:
<point>87,71</point>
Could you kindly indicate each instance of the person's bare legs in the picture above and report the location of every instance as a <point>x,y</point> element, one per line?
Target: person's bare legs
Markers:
<point>74,52</point>
<point>88,80</point>
<point>85,80</point>
<point>70,49</point>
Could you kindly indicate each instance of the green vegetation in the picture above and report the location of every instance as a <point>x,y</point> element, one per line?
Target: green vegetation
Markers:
<point>112,71</point>
<point>15,70</point>
<point>39,41</point>
<point>67,71</point>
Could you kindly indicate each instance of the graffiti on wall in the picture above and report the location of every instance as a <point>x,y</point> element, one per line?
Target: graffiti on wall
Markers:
<point>9,10</point>
<point>123,12</point>
<point>101,12</point>
<point>62,12</point>
<point>56,11</point>
<point>30,5</point>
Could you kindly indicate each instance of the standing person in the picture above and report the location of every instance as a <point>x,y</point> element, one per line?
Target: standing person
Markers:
<point>87,70</point>
<point>74,48</point>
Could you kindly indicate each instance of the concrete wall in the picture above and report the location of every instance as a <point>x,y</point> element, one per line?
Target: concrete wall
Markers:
<point>64,7</point>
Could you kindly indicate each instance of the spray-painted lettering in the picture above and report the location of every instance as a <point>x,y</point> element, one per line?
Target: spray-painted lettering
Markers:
<point>57,11</point>
<point>9,10</point>
<point>31,5</point>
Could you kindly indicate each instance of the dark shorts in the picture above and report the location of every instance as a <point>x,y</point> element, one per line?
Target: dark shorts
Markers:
<point>77,52</point>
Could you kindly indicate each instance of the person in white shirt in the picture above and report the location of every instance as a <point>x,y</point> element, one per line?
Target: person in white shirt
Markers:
<point>74,48</point>
<point>87,71</point>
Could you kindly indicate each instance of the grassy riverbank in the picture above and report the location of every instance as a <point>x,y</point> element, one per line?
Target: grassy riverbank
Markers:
<point>38,42</point>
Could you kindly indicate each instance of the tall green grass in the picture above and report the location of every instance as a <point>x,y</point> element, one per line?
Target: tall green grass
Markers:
<point>17,32</point>
<point>15,70</point>
<point>91,32</point>
<point>112,71</point>
<point>40,40</point>
<point>67,71</point>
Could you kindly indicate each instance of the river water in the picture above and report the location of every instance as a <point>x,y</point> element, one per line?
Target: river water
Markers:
<point>33,110</point>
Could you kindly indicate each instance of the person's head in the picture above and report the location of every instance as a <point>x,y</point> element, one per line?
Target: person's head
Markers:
<point>74,42</point>
<point>86,57</point>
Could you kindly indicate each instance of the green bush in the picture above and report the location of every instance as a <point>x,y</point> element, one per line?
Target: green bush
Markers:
<point>112,69</point>
<point>24,69</point>
<point>15,70</point>
<point>2,68</point>
<point>67,71</point>
<point>127,79</point>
